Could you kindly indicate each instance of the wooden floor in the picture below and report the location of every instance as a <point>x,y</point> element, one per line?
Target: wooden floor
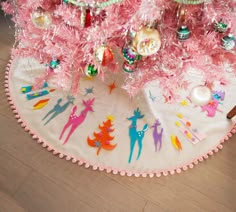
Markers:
<point>32,179</point>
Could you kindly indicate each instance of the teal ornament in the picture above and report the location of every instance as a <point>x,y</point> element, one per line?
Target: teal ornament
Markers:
<point>132,33</point>
<point>54,63</point>
<point>220,26</point>
<point>228,42</point>
<point>183,33</point>
<point>130,55</point>
<point>91,71</point>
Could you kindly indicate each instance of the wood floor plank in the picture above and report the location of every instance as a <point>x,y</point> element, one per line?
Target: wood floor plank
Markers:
<point>182,194</point>
<point>39,193</point>
<point>105,192</point>
<point>151,207</point>
<point>12,173</point>
<point>8,204</point>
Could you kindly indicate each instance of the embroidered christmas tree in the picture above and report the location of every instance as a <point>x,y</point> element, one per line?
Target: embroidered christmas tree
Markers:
<point>102,139</point>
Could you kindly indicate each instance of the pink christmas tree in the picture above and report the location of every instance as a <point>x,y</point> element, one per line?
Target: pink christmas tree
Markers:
<point>148,40</point>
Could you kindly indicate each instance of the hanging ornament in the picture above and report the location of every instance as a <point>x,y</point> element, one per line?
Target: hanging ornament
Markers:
<point>183,33</point>
<point>181,14</point>
<point>131,58</point>
<point>130,55</point>
<point>91,71</point>
<point>190,1</point>
<point>201,95</point>
<point>228,42</point>
<point>132,32</point>
<point>41,18</point>
<point>147,41</point>
<point>104,55</point>
<point>86,17</point>
<point>54,63</point>
<point>220,26</point>
<point>129,68</point>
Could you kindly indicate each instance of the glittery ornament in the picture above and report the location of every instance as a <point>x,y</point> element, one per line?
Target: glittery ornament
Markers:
<point>130,55</point>
<point>91,71</point>
<point>54,63</point>
<point>88,18</point>
<point>228,42</point>
<point>183,33</point>
<point>104,55</point>
<point>41,18</point>
<point>200,95</point>
<point>220,26</point>
<point>129,68</point>
<point>147,41</point>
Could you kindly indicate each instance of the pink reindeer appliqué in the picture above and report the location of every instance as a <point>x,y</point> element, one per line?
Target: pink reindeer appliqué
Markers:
<point>74,120</point>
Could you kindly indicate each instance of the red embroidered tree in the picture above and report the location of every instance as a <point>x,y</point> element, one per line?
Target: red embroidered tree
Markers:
<point>103,138</point>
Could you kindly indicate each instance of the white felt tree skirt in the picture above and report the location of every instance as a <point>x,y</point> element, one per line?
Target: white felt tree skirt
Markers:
<point>118,104</point>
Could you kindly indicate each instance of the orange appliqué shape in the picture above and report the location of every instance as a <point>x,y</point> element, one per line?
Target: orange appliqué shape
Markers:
<point>103,138</point>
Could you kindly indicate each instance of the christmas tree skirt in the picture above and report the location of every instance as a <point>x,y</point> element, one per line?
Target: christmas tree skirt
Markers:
<point>104,128</point>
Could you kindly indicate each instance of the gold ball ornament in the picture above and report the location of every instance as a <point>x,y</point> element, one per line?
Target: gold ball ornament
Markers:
<point>147,41</point>
<point>41,18</point>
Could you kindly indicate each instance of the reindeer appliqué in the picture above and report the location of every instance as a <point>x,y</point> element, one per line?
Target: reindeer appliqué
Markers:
<point>58,108</point>
<point>157,136</point>
<point>136,135</point>
<point>75,120</point>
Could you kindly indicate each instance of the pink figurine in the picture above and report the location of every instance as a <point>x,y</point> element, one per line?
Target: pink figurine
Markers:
<point>211,108</point>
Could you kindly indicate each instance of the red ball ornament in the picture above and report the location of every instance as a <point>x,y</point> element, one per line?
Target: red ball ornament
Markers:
<point>104,55</point>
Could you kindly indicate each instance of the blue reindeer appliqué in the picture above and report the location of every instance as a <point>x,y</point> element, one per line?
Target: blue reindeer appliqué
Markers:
<point>58,108</point>
<point>136,135</point>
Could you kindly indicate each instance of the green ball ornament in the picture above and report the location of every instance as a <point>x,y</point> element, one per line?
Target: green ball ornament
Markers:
<point>91,71</point>
<point>183,33</point>
<point>220,26</point>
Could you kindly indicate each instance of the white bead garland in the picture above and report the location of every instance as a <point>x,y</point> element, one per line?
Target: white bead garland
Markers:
<point>95,5</point>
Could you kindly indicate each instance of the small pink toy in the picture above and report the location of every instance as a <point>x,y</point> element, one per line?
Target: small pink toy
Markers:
<point>211,108</point>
